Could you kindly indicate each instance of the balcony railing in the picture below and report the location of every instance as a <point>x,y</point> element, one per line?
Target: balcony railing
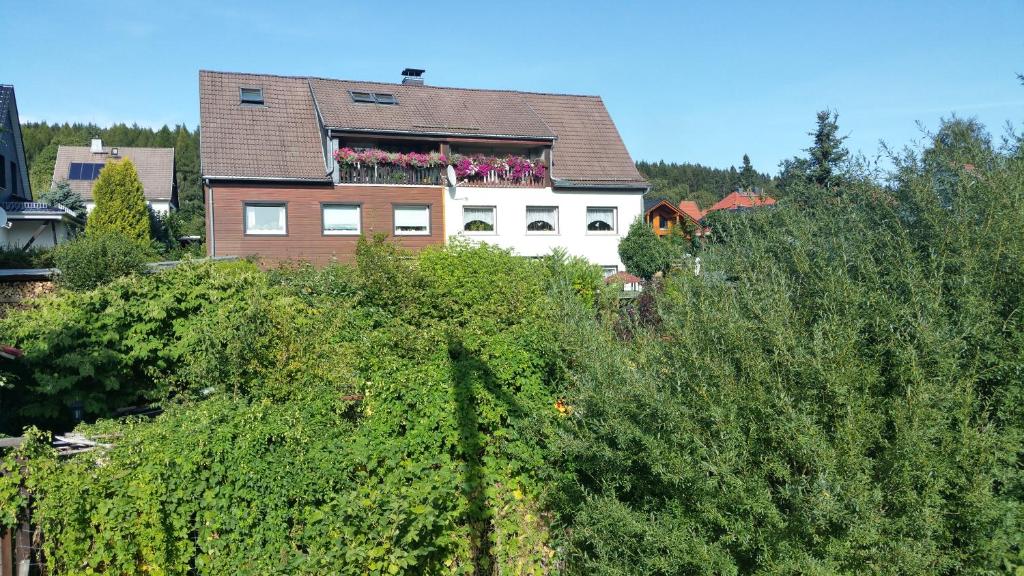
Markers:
<point>388,174</point>
<point>499,179</point>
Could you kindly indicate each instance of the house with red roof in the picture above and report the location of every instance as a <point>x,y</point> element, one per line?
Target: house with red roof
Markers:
<point>663,215</point>
<point>742,200</point>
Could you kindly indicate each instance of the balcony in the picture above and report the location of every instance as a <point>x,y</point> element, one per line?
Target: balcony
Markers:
<point>389,174</point>
<point>499,171</point>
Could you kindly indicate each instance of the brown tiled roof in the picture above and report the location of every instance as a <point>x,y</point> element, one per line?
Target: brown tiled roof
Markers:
<point>278,140</point>
<point>154,165</point>
<point>589,148</point>
<point>429,110</point>
<point>283,139</point>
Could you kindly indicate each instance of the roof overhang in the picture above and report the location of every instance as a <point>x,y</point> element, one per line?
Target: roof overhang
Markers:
<point>579,185</point>
<point>540,139</point>
<point>268,179</point>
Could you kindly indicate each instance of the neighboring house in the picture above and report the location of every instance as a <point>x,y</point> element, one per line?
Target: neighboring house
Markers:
<point>742,200</point>
<point>663,215</point>
<point>297,167</point>
<point>81,165</point>
<point>29,224</point>
<point>629,282</point>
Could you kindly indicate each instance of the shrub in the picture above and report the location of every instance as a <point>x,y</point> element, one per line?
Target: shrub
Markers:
<point>849,400</point>
<point>62,194</point>
<point>643,253</point>
<point>120,204</point>
<point>93,260</point>
<point>31,258</point>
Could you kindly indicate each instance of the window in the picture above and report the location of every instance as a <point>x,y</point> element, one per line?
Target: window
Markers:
<point>600,219</point>
<point>609,270</point>
<point>662,222</point>
<point>542,219</point>
<point>266,219</point>
<point>412,220</point>
<point>341,219</point>
<point>84,171</point>
<point>373,98</point>
<point>364,97</point>
<point>3,173</point>
<point>252,96</point>
<point>478,218</point>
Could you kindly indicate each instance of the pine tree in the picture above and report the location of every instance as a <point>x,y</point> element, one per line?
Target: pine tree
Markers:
<point>828,152</point>
<point>120,204</point>
<point>748,176</point>
<point>62,194</point>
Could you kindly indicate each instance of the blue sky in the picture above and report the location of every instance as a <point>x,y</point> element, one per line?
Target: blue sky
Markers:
<point>685,81</point>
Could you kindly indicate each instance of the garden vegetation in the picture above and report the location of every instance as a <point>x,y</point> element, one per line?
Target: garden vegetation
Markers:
<point>838,391</point>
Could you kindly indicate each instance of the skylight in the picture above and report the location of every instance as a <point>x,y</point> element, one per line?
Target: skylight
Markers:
<point>251,95</point>
<point>373,98</point>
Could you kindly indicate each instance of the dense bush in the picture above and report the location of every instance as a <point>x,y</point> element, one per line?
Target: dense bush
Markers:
<point>31,258</point>
<point>643,253</point>
<point>387,418</point>
<point>89,261</point>
<point>839,392</point>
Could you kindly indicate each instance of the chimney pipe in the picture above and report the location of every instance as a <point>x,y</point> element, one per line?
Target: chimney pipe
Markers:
<point>412,76</point>
<point>97,145</point>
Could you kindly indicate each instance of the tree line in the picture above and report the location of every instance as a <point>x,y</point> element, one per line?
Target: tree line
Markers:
<point>704,184</point>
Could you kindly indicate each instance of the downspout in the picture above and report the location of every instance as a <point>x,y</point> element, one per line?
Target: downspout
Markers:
<point>211,240</point>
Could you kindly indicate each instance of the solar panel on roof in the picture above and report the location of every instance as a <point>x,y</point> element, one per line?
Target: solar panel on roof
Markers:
<point>75,173</point>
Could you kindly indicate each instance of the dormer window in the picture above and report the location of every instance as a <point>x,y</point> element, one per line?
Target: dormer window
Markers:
<point>251,96</point>
<point>373,98</point>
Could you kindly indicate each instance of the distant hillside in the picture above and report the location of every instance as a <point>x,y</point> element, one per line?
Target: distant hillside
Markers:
<point>704,184</point>
<point>42,140</point>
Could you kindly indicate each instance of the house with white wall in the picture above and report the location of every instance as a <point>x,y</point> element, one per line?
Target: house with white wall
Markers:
<point>23,223</point>
<point>300,167</point>
<point>80,166</point>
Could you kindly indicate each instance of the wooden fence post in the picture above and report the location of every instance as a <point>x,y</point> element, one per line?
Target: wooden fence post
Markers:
<point>23,548</point>
<point>6,559</point>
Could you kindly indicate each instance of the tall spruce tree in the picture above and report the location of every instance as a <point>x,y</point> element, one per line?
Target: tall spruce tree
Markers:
<point>748,176</point>
<point>828,152</point>
<point>120,204</point>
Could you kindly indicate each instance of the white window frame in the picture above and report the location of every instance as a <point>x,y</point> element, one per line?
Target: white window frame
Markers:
<point>526,226</point>
<point>245,218</point>
<point>323,219</point>
<point>394,226</point>
<point>494,218</point>
<point>615,221</point>
<point>609,270</point>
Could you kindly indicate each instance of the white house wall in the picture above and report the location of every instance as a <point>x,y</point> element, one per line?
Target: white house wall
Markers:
<point>601,248</point>
<point>20,232</point>
<point>158,206</point>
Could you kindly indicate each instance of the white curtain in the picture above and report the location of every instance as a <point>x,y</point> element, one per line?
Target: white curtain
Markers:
<point>535,215</point>
<point>412,218</point>
<point>265,219</point>
<point>478,214</point>
<point>600,218</point>
<point>341,219</point>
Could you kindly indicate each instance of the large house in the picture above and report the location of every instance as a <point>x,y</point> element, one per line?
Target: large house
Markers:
<point>80,166</point>
<point>299,167</point>
<point>23,223</point>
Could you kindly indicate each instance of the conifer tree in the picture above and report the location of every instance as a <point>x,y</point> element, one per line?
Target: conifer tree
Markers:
<point>748,176</point>
<point>120,204</point>
<point>828,152</point>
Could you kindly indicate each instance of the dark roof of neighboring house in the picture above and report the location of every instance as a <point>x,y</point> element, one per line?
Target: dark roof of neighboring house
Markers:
<point>6,97</point>
<point>651,203</point>
<point>154,165</point>
<point>283,138</point>
<point>738,200</point>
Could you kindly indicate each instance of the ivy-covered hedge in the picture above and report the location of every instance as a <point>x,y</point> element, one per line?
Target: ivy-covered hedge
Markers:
<point>387,418</point>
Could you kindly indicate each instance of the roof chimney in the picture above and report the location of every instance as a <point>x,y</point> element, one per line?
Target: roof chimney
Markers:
<point>97,145</point>
<point>412,76</point>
